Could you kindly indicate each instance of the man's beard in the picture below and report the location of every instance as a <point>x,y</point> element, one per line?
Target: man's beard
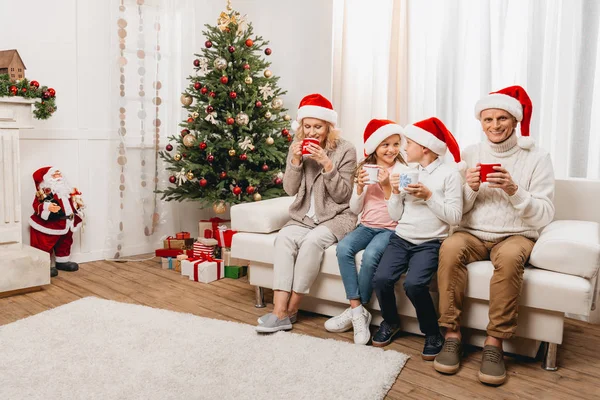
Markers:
<point>58,186</point>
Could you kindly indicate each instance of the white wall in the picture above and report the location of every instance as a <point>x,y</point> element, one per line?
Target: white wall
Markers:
<point>67,45</point>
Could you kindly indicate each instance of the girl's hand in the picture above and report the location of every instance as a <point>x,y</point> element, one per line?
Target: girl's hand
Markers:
<point>362,179</point>
<point>383,176</point>
<point>395,181</point>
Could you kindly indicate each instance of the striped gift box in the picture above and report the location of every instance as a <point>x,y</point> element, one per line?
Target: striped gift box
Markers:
<point>206,246</point>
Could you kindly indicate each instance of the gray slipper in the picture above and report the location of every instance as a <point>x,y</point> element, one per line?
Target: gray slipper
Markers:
<point>293,318</point>
<point>273,324</point>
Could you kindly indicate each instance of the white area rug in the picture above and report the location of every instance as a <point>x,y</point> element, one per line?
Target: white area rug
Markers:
<point>101,349</point>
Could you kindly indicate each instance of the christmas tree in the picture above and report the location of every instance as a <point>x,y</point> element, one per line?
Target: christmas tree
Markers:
<point>233,145</point>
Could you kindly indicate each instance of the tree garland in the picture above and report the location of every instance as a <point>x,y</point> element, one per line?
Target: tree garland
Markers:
<point>30,90</point>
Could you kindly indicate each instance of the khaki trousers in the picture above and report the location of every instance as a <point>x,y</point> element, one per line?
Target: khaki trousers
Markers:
<point>508,256</point>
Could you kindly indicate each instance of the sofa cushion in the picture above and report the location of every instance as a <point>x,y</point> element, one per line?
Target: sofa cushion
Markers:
<point>570,247</point>
<point>264,216</point>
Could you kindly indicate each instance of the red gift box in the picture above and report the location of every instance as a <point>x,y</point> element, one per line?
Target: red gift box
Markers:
<point>165,253</point>
<point>182,235</point>
<point>224,236</point>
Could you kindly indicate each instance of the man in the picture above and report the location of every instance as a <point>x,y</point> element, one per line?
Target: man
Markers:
<point>500,223</point>
<point>58,212</point>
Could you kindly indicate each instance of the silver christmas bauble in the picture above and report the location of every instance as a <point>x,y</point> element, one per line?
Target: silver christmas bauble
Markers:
<point>270,140</point>
<point>220,63</point>
<point>277,103</point>
<point>242,119</point>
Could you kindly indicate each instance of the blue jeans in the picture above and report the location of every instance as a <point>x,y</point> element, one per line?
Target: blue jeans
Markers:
<point>374,241</point>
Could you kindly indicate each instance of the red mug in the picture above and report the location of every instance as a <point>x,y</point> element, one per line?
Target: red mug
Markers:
<point>487,169</point>
<point>305,143</point>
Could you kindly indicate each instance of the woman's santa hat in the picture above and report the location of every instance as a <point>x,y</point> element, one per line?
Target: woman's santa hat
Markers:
<point>43,175</point>
<point>433,134</point>
<point>315,106</point>
<point>378,130</point>
<point>514,100</point>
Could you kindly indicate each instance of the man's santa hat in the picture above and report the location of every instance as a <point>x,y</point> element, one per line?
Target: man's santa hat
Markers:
<point>433,134</point>
<point>514,100</point>
<point>315,106</point>
<point>378,130</point>
<point>42,175</point>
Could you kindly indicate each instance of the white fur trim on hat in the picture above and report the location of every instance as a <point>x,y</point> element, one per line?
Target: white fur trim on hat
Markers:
<point>501,101</point>
<point>326,114</point>
<point>525,142</point>
<point>425,139</point>
<point>383,133</point>
<point>49,174</point>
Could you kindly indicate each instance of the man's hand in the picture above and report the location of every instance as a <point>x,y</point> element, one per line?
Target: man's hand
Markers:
<point>418,190</point>
<point>502,180</point>
<point>473,178</point>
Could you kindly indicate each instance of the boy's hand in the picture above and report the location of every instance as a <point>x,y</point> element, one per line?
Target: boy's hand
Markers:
<point>419,191</point>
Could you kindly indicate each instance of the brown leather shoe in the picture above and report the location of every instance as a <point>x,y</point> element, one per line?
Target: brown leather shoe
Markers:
<point>448,361</point>
<point>492,371</point>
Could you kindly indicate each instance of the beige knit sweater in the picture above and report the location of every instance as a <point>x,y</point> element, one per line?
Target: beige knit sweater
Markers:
<point>331,190</point>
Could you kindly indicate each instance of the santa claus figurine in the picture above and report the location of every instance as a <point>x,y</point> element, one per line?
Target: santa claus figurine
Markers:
<point>57,213</point>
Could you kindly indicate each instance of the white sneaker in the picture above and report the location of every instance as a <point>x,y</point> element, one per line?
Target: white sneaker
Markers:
<point>341,323</point>
<point>361,323</point>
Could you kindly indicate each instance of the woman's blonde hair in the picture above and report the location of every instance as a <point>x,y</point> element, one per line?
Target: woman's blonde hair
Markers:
<point>333,134</point>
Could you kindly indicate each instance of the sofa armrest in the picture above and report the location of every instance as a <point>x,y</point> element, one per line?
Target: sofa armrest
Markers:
<point>570,247</point>
<point>264,216</point>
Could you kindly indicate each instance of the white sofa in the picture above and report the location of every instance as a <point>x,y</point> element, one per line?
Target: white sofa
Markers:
<point>562,278</point>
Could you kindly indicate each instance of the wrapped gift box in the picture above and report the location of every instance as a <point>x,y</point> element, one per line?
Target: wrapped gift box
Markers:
<point>167,262</point>
<point>182,235</point>
<point>206,246</point>
<point>235,272</point>
<point>211,224</point>
<point>203,269</point>
<point>164,253</point>
<point>224,235</point>
<point>182,244</point>
<point>232,261</point>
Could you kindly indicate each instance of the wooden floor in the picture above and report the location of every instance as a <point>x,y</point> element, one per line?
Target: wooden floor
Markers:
<point>146,283</point>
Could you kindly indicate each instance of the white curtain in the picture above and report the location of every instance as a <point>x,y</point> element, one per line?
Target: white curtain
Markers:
<point>412,59</point>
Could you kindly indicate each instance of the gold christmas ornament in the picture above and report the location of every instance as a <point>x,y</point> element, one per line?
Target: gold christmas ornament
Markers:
<point>220,63</point>
<point>189,175</point>
<point>188,140</point>
<point>242,119</point>
<point>195,115</point>
<point>219,208</point>
<point>270,140</point>
<point>248,80</point>
<point>277,103</point>
<point>287,117</point>
<point>268,73</point>
<point>177,157</point>
<point>231,152</point>
<point>186,99</point>
<point>268,115</point>
<point>257,197</point>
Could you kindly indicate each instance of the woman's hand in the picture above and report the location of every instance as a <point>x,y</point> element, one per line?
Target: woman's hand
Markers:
<point>319,154</point>
<point>296,152</point>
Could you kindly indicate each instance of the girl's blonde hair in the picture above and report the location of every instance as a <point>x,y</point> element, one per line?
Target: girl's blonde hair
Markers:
<point>333,134</point>
<point>372,159</point>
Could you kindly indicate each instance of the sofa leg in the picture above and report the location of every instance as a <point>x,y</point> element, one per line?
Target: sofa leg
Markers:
<point>260,298</point>
<point>549,351</point>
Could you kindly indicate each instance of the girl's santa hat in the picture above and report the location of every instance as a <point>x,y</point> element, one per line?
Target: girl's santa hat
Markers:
<point>433,134</point>
<point>378,130</point>
<point>315,106</point>
<point>514,100</point>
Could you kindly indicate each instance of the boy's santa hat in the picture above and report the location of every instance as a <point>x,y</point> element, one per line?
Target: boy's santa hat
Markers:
<point>315,106</point>
<point>433,134</point>
<point>514,100</point>
<point>42,175</point>
<point>378,130</point>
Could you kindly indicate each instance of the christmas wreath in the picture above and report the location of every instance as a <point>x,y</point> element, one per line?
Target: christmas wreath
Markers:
<point>30,90</point>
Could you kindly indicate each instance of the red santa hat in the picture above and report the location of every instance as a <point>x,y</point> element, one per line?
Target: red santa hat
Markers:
<point>433,134</point>
<point>315,106</point>
<point>42,175</point>
<point>378,130</point>
<point>514,100</point>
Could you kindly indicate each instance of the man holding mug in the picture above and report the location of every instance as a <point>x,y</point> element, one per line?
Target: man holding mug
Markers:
<point>500,223</point>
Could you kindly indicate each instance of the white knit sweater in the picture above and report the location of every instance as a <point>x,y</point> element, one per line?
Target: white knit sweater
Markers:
<point>491,214</point>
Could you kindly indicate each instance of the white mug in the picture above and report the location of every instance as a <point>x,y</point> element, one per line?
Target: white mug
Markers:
<point>372,170</point>
<point>407,178</point>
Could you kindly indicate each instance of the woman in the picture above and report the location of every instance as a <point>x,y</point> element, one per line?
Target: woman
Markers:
<point>320,214</point>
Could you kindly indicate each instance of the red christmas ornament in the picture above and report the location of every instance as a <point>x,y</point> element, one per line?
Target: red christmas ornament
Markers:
<point>197,86</point>
<point>237,190</point>
<point>278,181</point>
<point>204,90</point>
<point>285,132</point>
<point>202,146</point>
<point>243,157</point>
<point>52,92</point>
<point>250,189</point>
<point>45,96</point>
<point>224,80</point>
<point>196,63</point>
<point>24,90</point>
<point>223,175</point>
<point>265,167</point>
<point>210,158</point>
<point>232,95</point>
<point>212,94</point>
<point>231,49</point>
<point>268,51</point>
<point>184,132</point>
<point>13,90</point>
<point>258,104</point>
<point>210,109</point>
<point>246,66</point>
<point>190,120</point>
<point>34,83</point>
<point>208,44</point>
<point>230,121</point>
<point>184,155</point>
<point>203,182</point>
<point>172,179</point>
<point>289,138</point>
<point>169,147</point>
<point>249,42</point>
